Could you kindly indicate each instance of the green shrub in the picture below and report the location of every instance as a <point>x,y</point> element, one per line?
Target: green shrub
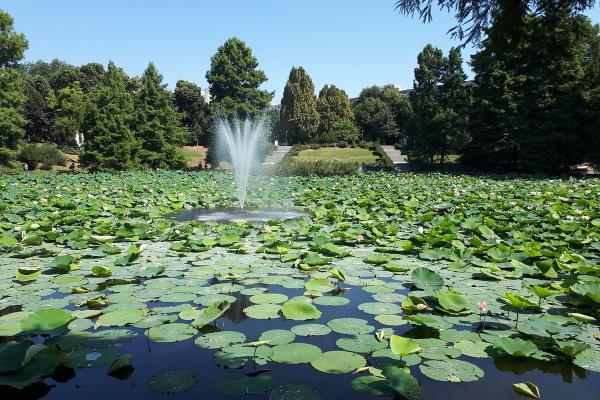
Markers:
<point>7,156</point>
<point>290,167</point>
<point>44,154</point>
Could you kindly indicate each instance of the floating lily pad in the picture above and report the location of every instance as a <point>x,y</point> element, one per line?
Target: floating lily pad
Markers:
<point>364,343</point>
<point>331,301</point>
<point>377,308</point>
<point>268,298</point>
<point>338,362</point>
<point>311,330</point>
<point>120,317</point>
<point>175,332</point>
<point>451,370</point>
<point>263,311</point>
<point>299,311</point>
<point>391,320</point>
<point>350,326</point>
<point>295,353</point>
<point>278,336</point>
<point>46,320</point>
<point>217,340</point>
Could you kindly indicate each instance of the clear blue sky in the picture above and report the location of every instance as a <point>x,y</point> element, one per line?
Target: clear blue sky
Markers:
<point>349,43</point>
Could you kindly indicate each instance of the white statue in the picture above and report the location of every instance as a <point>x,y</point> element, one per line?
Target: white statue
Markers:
<point>79,139</point>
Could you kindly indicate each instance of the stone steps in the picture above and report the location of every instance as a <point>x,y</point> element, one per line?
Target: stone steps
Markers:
<point>400,160</point>
<point>276,156</point>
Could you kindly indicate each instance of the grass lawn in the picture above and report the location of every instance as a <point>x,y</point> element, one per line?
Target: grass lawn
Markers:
<point>347,154</point>
<point>194,155</point>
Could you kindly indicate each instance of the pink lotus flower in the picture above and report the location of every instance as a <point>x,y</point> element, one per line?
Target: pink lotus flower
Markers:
<point>481,305</point>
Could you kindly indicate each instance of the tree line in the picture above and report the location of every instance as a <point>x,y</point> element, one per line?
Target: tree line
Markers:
<point>533,105</point>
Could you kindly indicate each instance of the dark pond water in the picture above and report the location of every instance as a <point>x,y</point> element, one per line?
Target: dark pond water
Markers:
<point>556,381</point>
<point>227,215</point>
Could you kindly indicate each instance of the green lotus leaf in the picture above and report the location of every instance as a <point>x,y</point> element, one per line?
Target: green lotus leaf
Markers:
<point>299,311</point>
<point>361,344</point>
<point>515,346</point>
<point>27,274</point>
<point>403,382</point>
<point>121,362</point>
<point>338,362</point>
<point>453,302</point>
<point>101,271</point>
<point>295,353</point>
<point>278,336</point>
<point>217,340</point>
<point>350,326</point>
<point>263,311</point>
<point>376,308</point>
<point>424,279</point>
<point>527,389</point>
<point>311,330</point>
<point>210,313</point>
<point>373,385</point>
<point>46,320</point>
<point>175,332</point>
<point>268,298</point>
<point>402,346</point>
<point>120,317</point>
<point>321,285</point>
<point>451,370</point>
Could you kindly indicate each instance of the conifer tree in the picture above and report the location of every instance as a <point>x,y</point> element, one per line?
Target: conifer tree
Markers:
<point>158,124</point>
<point>235,80</point>
<point>299,118</point>
<point>68,113</point>
<point>110,144</point>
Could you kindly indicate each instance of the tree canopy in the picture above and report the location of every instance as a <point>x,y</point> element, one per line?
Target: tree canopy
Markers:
<point>299,118</point>
<point>234,80</point>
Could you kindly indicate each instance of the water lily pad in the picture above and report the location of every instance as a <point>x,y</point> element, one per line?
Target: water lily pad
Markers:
<point>173,381</point>
<point>263,311</point>
<point>175,332</point>
<point>338,362</point>
<point>300,311</point>
<point>451,370</point>
<point>210,313</point>
<point>295,353</point>
<point>46,320</point>
<point>350,326</point>
<point>376,308</point>
<point>311,330</point>
<point>331,301</point>
<point>120,317</point>
<point>217,340</point>
<point>364,343</point>
<point>372,385</point>
<point>403,382</point>
<point>516,347</point>
<point>321,285</point>
<point>391,320</point>
<point>424,279</point>
<point>527,389</point>
<point>268,298</point>
<point>453,302</point>
<point>278,336</point>
<point>472,349</point>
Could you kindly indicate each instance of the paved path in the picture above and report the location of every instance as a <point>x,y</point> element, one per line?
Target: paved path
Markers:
<point>400,161</point>
<point>276,156</point>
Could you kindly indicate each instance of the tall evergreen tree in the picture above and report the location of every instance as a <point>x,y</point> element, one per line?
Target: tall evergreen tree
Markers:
<point>12,99</point>
<point>158,124</point>
<point>426,136</point>
<point>110,143</point>
<point>235,80</point>
<point>333,105</point>
<point>38,108</point>
<point>68,113</point>
<point>190,101</point>
<point>299,118</point>
<point>530,112</point>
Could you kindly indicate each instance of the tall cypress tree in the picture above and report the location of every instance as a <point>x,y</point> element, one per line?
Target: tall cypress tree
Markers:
<point>68,113</point>
<point>109,140</point>
<point>299,118</point>
<point>333,105</point>
<point>158,124</point>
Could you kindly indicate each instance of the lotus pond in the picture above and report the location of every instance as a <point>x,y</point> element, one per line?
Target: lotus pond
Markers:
<point>393,285</point>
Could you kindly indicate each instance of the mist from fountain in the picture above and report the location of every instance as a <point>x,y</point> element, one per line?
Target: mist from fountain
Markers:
<point>240,140</point>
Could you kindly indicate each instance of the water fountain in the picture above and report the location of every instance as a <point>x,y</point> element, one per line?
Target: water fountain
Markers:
<point>239,141</point>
